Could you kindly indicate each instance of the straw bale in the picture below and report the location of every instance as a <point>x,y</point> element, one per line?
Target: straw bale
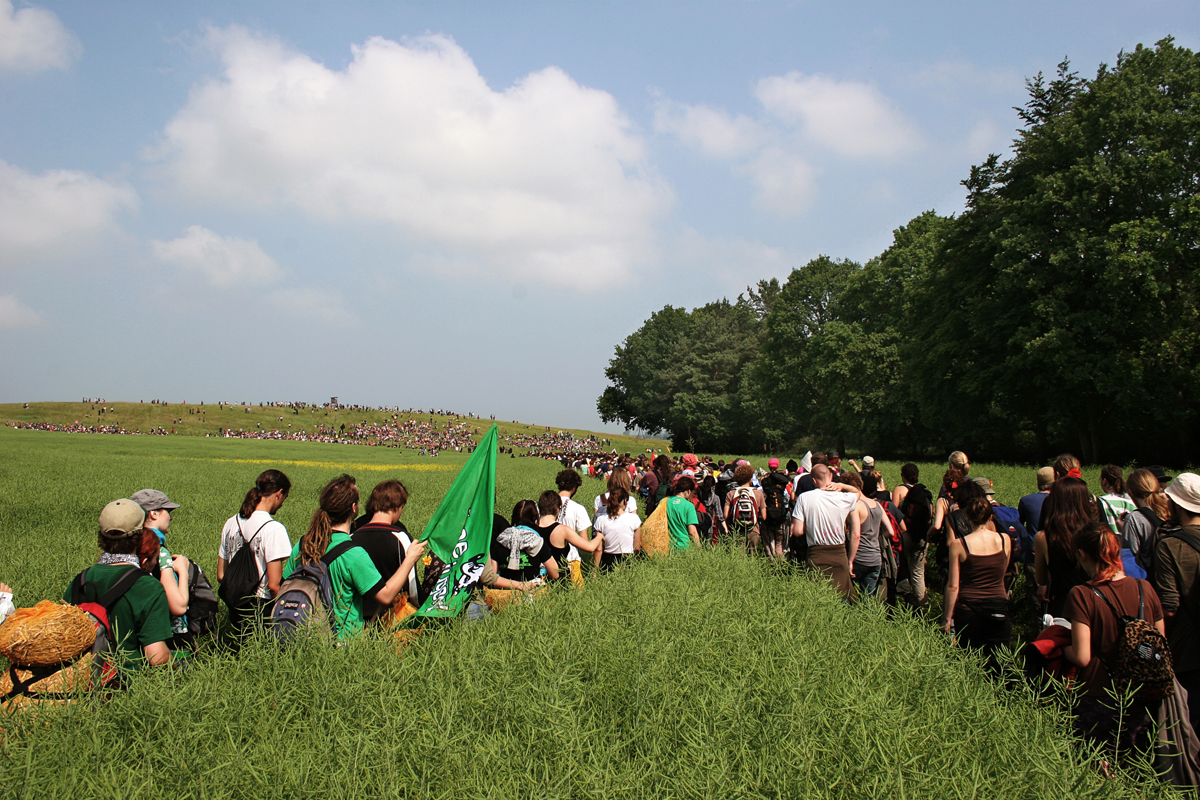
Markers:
<point>656,539</point>
<point>45,635</point>
<point>75,677</point>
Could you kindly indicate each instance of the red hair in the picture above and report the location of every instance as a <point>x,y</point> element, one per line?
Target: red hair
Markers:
<point>1097,541</point>
<point>147,550</point>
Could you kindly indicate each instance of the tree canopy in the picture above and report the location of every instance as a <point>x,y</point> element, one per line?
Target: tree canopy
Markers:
<point>1060,310</point>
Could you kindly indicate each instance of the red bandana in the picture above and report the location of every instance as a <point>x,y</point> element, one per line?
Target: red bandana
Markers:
<point>1074,473</point>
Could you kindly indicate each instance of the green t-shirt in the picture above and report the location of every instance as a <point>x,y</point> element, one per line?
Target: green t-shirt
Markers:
<point>352,575</point>
<point>139,618</point>
<point>680,514</point>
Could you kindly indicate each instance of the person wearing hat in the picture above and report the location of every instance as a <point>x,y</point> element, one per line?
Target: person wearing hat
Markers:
<point>1176,578</point>
<point>1029,510</point>
<point>171,570</point>
<point>139,620</point>
<point>777,496</point>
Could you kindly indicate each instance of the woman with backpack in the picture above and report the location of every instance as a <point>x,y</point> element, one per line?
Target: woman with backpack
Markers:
<point>744,507</point>
<point>1067,509</point>
<point>976,601</point>
<point>1150,510</point>
<point>352,574</point>
<point>1095,609</point>
<point>254,527</point>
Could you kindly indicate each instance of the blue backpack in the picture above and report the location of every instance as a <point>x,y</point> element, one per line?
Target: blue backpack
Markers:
<point>306,599</point>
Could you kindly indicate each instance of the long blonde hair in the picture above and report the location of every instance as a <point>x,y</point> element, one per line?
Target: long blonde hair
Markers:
<point>1145,490</point>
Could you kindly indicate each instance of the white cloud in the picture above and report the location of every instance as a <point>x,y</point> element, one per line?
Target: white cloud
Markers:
<point>785,181</point>
<point>850,118</point>
<point>13,315</point>
<point>542,181</point>
<point>223,261</point>
<point>55,214</point>
<point>314,304</point>
<point>34,40</point>
<point>712,131</point>
<point>733,263</point>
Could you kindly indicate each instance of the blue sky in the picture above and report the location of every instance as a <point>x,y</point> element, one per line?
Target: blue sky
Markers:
<point>468,205</point>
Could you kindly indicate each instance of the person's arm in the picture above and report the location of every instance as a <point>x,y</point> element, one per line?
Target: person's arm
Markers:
<point>855,537</point>
<point>1041,565</point>
<point>507,583</point>
<point>581,543</point>
<point>221,564</point>
<point>898,495</point>
<point>798,527</point>
<point>762,504</point>
<point>637,543</point>
<point>853,464</point>
<point>551,568</point>
<point>157,653</point>
<point>174,581</point>
<point>951,598</point>
<point>388,593</point>
<point>1164,579</point>
<point>275,575</point>
<point>1079,651</point>
<point>694,534</point>
<point>939,513</point>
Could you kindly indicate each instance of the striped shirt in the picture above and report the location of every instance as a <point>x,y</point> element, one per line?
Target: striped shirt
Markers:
<point>1114,506</point>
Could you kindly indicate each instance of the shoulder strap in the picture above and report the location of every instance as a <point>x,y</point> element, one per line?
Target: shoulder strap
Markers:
<point>337,552</point>
<point>1186,537</point>
<point>124,583</point>
<point>1141,600</point>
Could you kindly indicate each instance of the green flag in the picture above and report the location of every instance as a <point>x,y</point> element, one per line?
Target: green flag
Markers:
<point>461,530</point>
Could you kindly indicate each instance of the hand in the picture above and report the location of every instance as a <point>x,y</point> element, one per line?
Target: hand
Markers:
<point>852,463</point>
<point>417,548</point>
<point>179,564</point>
<point>4,587</point>
<point>1043,593</point>
<point>852,575</point>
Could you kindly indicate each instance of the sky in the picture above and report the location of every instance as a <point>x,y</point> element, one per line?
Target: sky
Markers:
<point>469,205</point>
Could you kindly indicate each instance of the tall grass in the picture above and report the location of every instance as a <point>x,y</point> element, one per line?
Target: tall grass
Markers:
<point>706,674</point>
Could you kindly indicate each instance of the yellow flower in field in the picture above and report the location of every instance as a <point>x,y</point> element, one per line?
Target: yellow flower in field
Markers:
<point>335,465</point>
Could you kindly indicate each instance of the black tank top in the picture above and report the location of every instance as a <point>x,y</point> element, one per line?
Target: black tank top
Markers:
<point>559,553</point>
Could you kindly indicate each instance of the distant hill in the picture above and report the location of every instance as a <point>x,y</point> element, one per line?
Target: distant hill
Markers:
<point>358,425</point>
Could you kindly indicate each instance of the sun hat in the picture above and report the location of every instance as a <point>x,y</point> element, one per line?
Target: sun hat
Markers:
<point>985,484</point>
<point>1163,477</point>
<point>773,463</point>
<point>1185,491</point>
<point>806,462</point>
<point>690,460</point>
<point>121,519</point>
<point>868,462</point>
<point>153,500</point>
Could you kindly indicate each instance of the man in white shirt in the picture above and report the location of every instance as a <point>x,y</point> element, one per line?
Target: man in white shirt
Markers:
<point>572,514</point>
<point>820,517</point>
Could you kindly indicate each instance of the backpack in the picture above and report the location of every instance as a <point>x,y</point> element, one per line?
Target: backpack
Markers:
<point>917,508</point>
<point>306,598</point>
<point>1143,656</point>
<point>83,594</point>
<point>202,602</point>
<point>1008,522</point>
<point>745,509</point>
<point>775,495</point>
<point>242,577</point>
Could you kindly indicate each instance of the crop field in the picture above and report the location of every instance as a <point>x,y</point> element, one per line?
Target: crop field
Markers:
<point>706,674</point>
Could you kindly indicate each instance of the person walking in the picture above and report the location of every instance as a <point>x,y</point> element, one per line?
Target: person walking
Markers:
<point>255,527</point>
<point>820,518</point>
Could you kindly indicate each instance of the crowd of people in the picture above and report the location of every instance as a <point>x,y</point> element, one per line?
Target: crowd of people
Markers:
<point>1126,558</point>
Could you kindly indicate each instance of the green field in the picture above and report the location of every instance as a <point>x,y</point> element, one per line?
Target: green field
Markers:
<point>703,675</point>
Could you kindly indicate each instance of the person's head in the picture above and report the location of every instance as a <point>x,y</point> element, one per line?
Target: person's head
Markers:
<point>773,464</point>
<point>120,530</point>
<point>985,485</point>
<point>1068,507</point>
<point>620,477</point>
<point>958,459</point>
<point>568,481</point>
<point>158,508</point>
<point>337,504</point>
<point>525,512</point>
<point>549,504</point>
<point>743,474</point>
<point>1145,490</point>
<point>876,476</point>
<point>683,486</point>
<point>690,461</point>
<point>833,458</point>
<point>952,478</point>
<point>1067,465</point>
<point>821,475</point>
<point>618,497</point>
<point>1045,479</point>
<point>1184,496</point>
<point>972,500</point>
<point>910,473</point>
<point>1111,479</point>
<point>868,463</point>
<point>853,479</point>
<point>792,466</point>
<point>386,497</point>
<point>271,485</point>
<point>818,458</point>
<point>662,463</point>
<point>1097,549</point>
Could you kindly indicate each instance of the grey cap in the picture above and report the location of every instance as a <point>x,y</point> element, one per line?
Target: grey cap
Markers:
<point>984,484</point>
<point>153,500</point>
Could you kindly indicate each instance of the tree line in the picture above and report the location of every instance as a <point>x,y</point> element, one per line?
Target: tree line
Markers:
<point>1059,311</point>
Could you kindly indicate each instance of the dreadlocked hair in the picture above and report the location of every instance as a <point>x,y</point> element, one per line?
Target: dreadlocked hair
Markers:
<point>337,504</point>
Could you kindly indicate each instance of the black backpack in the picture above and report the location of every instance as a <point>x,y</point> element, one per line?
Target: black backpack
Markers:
<point>775,496</point>
<point>917,508</point>
<point>240,585</point>
<point>202,602</point>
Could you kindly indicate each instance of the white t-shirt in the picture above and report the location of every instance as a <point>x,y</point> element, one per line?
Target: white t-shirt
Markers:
<point>630,504</point>
<point>824,514</point>
<point>618,532</point>
<point>575,517</point>
<point>271,544</point>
